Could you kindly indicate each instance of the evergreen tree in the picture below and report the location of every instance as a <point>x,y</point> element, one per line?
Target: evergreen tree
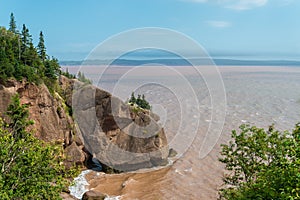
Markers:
<point>26,40</point>
<point>6,69</point>
<point>82,78</point>
<point>52,68</point>
<point>138,100</point>
<point>20,59</point>
<point>132,99</point>
<point>144,103</point>
<point>7,55</point>
<point>67,74</point>
<point>18,71</point>
<point>41,47</point>
<point>32,59</point>
<point>12,24</point>
<point>79,75</point>
<point>25,36</point>
<point>18,115</point>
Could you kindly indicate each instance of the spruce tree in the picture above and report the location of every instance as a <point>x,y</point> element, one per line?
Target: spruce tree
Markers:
<point>12,24</point>
<point>79,76</point>
<point>82,78</point>
<point>52,68</point>
<point>144,103</point>
<point>138,100</point>
<point>33,60</point>
<point>41,47</point>
<point>7,55</point>
<point>132,99</point>
<point>18,115</point>
<point>26,40</point>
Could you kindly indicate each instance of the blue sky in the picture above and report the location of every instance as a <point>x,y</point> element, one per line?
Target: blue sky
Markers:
<point>258,29</point>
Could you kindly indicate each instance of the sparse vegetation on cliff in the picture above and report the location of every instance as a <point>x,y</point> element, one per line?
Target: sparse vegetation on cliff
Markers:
<point>140,101</point>
<point>81,77</point>
<point>262,164</point>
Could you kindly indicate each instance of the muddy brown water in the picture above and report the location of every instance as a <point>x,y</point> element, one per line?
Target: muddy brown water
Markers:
<point>256,95</point>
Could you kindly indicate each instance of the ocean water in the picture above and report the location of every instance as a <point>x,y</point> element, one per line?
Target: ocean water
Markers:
<point>198,109</point>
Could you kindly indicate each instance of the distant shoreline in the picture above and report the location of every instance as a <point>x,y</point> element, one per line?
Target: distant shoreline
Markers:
<point>183,62</point>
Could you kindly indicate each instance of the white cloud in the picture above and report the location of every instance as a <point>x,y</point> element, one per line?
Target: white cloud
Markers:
<point>218,24</point>
<point>285,2</point>
<point>244,4</point>
<point>196,1</point>
<point>235,4</point>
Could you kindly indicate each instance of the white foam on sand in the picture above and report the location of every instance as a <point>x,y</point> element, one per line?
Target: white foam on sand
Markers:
<point>80,185</point>
<point>113,198</point>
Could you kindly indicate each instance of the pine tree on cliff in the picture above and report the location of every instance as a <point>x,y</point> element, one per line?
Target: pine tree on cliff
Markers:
<point>132,99</point>
<point>138,100</point>
<point>33,60</point>
<point>144,103</point>
<point>8,40</point>
<point>26,40</point>
<point>12,24</point>
<point>41,47</point>
<point>52,68</point>
<point>18,115</point>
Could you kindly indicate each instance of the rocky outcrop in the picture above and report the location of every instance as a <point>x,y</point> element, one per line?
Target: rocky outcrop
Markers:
<point>67,196</point>
<point>93,195</point>
<point>52,123</point>
<point>74,154</point>
<point>118,135</point>
<point>123,137</point>
<point>172,153</point>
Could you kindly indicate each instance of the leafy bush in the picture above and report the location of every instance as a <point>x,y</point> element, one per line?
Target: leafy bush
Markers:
<point>262,164</point>
<point>30,168</point>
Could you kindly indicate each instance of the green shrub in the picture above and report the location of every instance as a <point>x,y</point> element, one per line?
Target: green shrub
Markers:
<point>262,164</point>
<point>30,168</point>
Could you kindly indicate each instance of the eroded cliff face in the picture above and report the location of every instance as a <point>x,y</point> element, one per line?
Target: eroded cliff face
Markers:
<point>118,135</point>
<point>51,121</point>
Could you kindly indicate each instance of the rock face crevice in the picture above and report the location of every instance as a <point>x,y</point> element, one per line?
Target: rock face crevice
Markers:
<point>51,121</point>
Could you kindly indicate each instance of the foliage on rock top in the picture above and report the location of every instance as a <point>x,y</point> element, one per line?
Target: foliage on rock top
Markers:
<point>140,101</point>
